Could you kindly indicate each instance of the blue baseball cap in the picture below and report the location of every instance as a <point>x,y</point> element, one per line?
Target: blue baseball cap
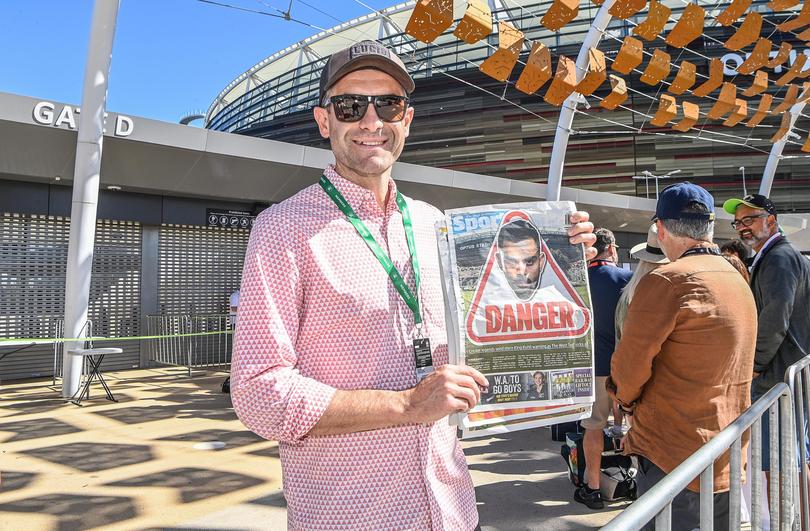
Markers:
<point>674,199</point>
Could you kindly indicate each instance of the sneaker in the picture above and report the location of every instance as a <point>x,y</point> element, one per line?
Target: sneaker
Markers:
<point>590,497</point>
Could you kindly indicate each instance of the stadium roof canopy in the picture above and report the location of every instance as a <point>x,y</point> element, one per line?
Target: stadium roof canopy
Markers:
<point>289,78</point>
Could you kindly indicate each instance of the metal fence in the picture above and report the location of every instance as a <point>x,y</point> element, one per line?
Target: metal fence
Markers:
<point>197,340</point>
<point>798,378</point>
<point>657,502</point>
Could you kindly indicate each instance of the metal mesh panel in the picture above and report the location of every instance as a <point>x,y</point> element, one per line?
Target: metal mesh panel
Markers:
<point>193,351</point>
<point>199,268</point>
<point>33,258</point>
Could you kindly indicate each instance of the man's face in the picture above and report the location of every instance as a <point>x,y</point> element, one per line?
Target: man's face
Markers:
<point>523,263</point>
<point>538,380</point>
<point>762,227</point>
<point>370,147</point>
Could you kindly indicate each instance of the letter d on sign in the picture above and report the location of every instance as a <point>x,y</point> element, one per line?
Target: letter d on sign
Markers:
<point>493,314</point>
<point>123,126</point>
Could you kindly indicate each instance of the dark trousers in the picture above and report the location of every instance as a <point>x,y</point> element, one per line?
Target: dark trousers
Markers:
<point>686,505</point>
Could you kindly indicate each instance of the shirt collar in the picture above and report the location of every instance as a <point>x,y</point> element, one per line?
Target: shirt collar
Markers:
<point>356,195</point>
<point>768,243</point>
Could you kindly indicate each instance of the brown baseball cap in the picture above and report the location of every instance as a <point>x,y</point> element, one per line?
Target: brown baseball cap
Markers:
<point>364,54</point>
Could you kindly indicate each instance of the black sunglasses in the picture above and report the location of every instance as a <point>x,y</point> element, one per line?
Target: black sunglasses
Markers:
<point>747,221</point>
<point>352,107</point>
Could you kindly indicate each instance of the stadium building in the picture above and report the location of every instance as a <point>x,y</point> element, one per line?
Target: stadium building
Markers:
<point>470,122</point>
<point>177,202</point>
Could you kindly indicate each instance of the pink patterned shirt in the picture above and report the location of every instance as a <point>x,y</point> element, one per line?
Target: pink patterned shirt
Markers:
<point>319,313</point>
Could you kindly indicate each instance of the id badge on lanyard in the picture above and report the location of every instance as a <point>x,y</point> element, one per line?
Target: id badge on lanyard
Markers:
<point>421,345</point>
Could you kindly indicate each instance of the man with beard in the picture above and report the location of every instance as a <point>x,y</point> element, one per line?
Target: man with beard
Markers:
<point>341,350</point>
<point>780,280</point>
<point>520,257</point>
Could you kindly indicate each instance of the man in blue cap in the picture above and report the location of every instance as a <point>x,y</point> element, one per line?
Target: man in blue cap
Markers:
<point>780,281</point>
<point>682,367</point>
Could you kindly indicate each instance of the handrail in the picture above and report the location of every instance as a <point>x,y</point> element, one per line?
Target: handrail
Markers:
<point>797,377</point>
<point>659,497</point>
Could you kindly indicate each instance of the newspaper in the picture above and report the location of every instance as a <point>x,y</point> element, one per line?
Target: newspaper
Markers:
<point>519,311</point>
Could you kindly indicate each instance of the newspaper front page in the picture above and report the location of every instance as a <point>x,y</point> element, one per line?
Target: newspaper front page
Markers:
<point>519,311</point>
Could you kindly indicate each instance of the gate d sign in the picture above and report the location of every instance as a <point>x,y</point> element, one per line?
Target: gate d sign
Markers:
<point>46,113</point>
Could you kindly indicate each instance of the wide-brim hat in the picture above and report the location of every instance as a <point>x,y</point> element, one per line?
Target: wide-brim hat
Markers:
<point>650,251</point>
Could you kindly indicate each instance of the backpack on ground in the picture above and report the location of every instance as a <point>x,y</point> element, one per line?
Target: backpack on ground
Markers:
<point>618,474</point>
<point>558,431</point>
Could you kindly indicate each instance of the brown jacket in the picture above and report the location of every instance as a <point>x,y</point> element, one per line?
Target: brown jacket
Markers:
<point>686,359</point>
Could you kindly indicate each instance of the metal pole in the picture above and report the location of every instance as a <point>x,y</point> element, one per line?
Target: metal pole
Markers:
<point>707,499</point>
<point>85,185</point>
<point>776,152</point>
<point>555,167</point>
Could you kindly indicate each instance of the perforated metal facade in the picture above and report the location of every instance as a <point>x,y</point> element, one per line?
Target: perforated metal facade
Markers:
<point>199,268</point>
<point>33,258</point>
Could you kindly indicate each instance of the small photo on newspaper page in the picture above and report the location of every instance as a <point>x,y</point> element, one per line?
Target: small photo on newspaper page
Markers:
<point>522,307</point>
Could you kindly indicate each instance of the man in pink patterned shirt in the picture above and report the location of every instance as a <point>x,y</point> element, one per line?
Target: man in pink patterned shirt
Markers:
<point>341,350</point>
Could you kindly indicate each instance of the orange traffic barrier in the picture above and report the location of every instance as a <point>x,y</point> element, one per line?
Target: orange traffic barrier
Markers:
<point>657,69</point>
<point>596,74</point>
<point>688,28</point>
<point>629,56</point>
<point>725,102</point>
<point>783,128</point>
<point>500,64</point>
<point>691,114</point>
<point>560,13</point>
<point>747,33</point>
<point>476,23</point>
<point>733,12</point>
<point>739,113</point>
<point>618,93</point>
<point>429,19</point>
<point>790,99</point>
<point>760,84</point>
<point>759,57</point>
<point>795,70</point>
<point>801,20</point>
<point>667,110</point>
<point>625,9</point>
<point>781,55</point>
<point>762,111</point>
<point>537,70</point>
<point>564,82</point>
<point>714,81</point>
<point>657,17</point>
<point>684,79</point>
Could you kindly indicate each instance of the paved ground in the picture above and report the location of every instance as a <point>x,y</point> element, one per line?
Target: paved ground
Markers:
<point>172,455</point>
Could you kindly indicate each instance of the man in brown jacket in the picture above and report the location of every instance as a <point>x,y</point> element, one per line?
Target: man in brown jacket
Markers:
<point>683,365</point>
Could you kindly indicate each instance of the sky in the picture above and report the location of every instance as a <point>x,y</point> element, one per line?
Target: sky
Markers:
<point>170,57</point>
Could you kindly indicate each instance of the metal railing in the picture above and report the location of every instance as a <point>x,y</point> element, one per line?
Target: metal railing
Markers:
<point>211,348</point>
<point>797,377</point>
<point>657,502</point>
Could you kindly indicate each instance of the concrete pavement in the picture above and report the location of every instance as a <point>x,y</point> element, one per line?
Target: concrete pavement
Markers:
<point>172,455</point>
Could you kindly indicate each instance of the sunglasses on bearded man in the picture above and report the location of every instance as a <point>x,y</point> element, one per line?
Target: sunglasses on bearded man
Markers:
<point>352,107</point>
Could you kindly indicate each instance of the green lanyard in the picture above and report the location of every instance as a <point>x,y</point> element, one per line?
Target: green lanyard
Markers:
<point>399,283</point>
